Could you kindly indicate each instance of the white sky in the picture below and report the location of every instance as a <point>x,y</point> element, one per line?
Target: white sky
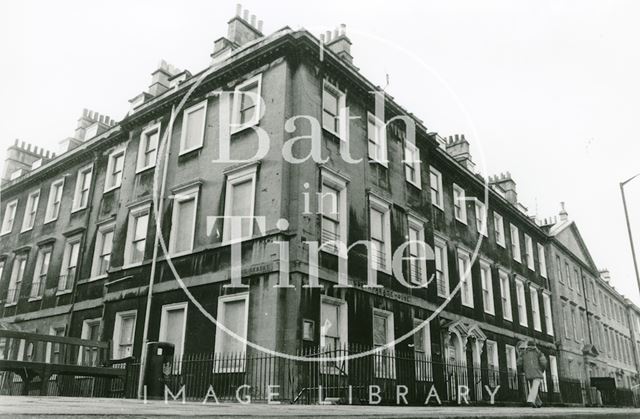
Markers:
<point>549,90</point>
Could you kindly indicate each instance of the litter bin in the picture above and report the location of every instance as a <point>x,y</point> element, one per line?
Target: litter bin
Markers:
<point>158,367</point>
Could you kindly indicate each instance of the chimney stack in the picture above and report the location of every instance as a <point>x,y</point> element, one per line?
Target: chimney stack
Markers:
<point>339,43</point>
<point>160,78</point>
<point>458,148</point>
<point>505,182</point>
<point>241,30</point>
<point>564,215</point>
<point>21,156</point>
<point>89,125</point>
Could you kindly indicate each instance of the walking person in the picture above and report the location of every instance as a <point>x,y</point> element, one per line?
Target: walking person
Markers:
<point>533,363</point>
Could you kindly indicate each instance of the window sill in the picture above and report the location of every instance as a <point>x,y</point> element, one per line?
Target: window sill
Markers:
<point>503,245</point>
<point>132,265</point>
<point>491,313</point>
<point>5,233</point>
<point>179,254</point>
<point>467,305</point>
<point>382,163</point>
<point>144,169</point>
<point>31,299</point>
<point>26,230</point>
<point>10,304</point>
<point>415,185</point>
<point>191,150</point>
<point>243,127</point>
<point>50,221</point>
<point>507,320</point>
<point>112,188</point>
<point>437,206</point>
<point>93,279</point>
<point>74,210</point>
<point>63,292</point>
<point>333,134</point>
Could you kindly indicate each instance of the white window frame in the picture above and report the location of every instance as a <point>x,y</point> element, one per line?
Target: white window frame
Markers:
<point>444,277</point>
<point>423,367</point>
<point>343,131</point>
<point>134,214</point>
<point>8,222</point>
<point>17,279</point>
<point>86,323</point>
<point>481,217</point>
<point>117,330</point>
<point>183,134</point>
<point>498,224</point>
<point>236,177</point>
<point>189,194</point>
<point>239,364</point>
<point>37,273</point>
<point>83,173</point>
<point>377,146</point>
<point>466,278</point>
<point>487,287</point>
<point>548,314</point>
<point>437,191</point>
<point>339,184</point>
<point>515,243</point>
<point>412,160</point>
<point>109,182</point>
<point>505,295</point>
<point>553,367</point>
<point>343,334</point>
<point>512,366</point>
<point>528,249</point>
<point>162,336</point>
<point>235,118</point>
<point>535,308</point>
<point>542,263</point>
<point>417,225</point>
<point>386,355</point>
<point>102,231</point>
<point>521,300</point>
<point>66,264</point>
<point>143,143</point>
<point>383,207</point>
<point>30,211</point>
<point>459,196</point>
<point>493,365</point>
<point>49,214</point>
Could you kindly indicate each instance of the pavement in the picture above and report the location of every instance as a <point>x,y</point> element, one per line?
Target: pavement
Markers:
<point>65,407</point>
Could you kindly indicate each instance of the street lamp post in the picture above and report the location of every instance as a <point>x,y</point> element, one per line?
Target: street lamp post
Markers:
<point>626,215</point>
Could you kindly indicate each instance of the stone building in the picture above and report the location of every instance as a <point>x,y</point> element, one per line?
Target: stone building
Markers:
<point>594,337</point>
<point>79,239</point>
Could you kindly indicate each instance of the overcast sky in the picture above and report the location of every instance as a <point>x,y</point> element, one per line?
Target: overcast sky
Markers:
<point>549,90</point>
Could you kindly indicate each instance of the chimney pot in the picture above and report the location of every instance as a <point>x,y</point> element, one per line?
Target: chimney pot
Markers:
<point>253,20</point>
<point>238,9</point>
<point>245,14</point>
<point>260,25</point>
<point>336,33</point>
<point>328,36</point>
<point>343,29</point>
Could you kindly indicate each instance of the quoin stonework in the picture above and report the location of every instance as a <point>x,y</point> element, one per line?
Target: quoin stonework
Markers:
<point>79,243</point>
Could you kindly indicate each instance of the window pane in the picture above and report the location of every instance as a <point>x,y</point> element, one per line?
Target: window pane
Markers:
<point>234,320</point>
<point>195,120</point>
<point>379,330</point>
<point>184,229</point>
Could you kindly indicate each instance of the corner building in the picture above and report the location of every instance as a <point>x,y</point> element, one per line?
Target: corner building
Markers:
<point>78,230</point>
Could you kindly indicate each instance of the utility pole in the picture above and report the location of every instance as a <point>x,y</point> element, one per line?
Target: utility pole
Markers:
<point>626,215</point>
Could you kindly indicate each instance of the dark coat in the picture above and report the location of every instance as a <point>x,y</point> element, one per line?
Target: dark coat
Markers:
<point>533,362</point>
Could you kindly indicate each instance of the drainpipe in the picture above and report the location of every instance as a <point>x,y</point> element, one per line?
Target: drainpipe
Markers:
<point>154,261</point>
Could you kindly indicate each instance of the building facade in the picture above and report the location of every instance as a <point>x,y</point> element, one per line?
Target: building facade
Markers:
<point>79,234</point>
